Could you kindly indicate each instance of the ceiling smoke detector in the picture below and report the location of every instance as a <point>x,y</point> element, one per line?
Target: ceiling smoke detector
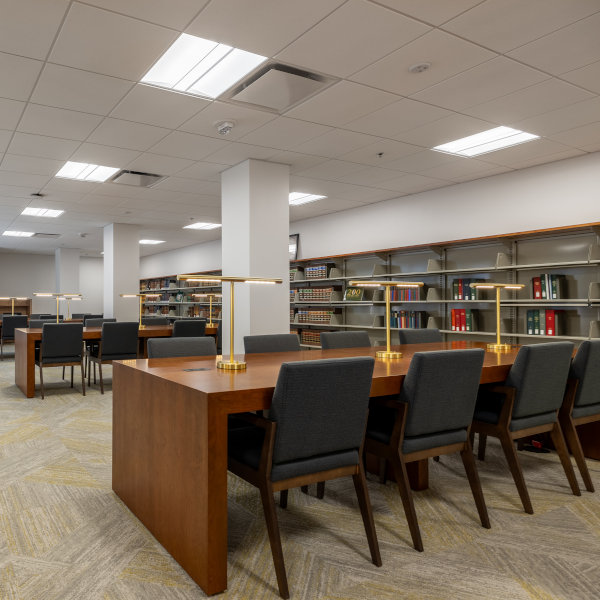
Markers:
<point>419,67</point>
<point>224,127</point>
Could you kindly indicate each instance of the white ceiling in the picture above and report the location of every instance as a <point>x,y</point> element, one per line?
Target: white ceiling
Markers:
<point>69,90</point>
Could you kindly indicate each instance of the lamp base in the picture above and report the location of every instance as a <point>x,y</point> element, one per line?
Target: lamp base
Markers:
<point>499,347</point>
<point>386,354</point>
<point>228,365</point>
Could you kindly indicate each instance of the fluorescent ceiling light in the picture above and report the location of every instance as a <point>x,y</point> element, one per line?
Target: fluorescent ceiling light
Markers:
<point>18,233</point>
<point>202,226</point>
<point>486,141</point>
<point>201,67</point>
<point>151,242</point>
<point>86,172</point>
<point>42,212</point>
<point>297,198</point>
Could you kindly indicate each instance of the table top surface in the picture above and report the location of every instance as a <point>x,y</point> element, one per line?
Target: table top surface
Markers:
<point>201,373</point>
<point>145,331</point>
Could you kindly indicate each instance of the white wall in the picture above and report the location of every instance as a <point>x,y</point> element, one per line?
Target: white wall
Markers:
<point>91,281</point>
<point>199,257</point>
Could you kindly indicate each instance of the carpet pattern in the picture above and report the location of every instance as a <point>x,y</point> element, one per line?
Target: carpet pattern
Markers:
<point>64,535</point>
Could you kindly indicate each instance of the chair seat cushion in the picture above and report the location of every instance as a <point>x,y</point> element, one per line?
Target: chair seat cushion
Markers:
<point>533,421</point>
<point>60,359</point>
<point>425,442</point>
<point>586,410</point>
<point>107,357</point>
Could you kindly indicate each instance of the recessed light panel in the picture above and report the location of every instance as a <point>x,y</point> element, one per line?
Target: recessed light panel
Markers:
<point>486,141</point>
<point>201,67</point>
<point>151,242</point>
<point>297,198</point>
<point>86,172</point>
<point>42,212</point>
<point>18,233</point>
<point>203,226</point>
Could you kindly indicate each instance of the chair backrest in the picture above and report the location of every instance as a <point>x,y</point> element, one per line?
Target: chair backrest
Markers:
<point>441,390</point>
<point>87,317</point>
<point>40,322</point>
<point>78,315</point>
<point>98,322</point>
<point>182,346</point>
<point>62,339</point>
<point>344,339</point>
<point>189,328</point>
<point>119,338</point>
<point>540,373</point>
<point>10,323</point>
<point>320,407</point>
<point>275,342</point>
<point>419,336</point>
<point>220,337</point>
<point>586,369</point>
<point>53,317</point>
<point>155,321</point>
<point>39,316</point>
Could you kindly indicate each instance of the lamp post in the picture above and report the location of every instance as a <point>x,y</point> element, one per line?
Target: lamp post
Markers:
<point>59,296</point>
<point>231,364</point>
<point>12,302</point>
<point>387,353</point>
<point>498,346</point>
<point>141,296</point>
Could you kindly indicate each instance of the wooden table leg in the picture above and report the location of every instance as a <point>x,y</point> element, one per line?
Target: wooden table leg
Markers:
<point>418,472</point>
<point>25,363</point>
<point>589,435</point>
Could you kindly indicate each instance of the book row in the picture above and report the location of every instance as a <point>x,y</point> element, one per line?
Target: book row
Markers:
<point>462,290</point>
<point>549,286</point>
<point>413,319</point>
<point>464,319</point>
<point>546,322</point>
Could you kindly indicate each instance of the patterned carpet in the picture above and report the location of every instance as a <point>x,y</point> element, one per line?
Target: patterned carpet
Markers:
<point>64,535</point>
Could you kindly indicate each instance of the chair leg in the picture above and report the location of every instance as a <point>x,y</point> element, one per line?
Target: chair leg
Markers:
<point>63,375</point>
<point>283,498</point>
<point>320,490</point>
<point>565,459</point>
<point>436,458</point>
<point>515,468</point>
<point>82,378</point>
<point>473,477</point>
<point>268,503</point>
<point>362,493</point>
<point>382,471</point>
<point>71,375</point>
<point>94,373</point>
<point>42,380</point>
<point>100,375</point>
<point>407,501</point>
<point>304,489</point>
<point>570,432</point>
<point>481,447</point>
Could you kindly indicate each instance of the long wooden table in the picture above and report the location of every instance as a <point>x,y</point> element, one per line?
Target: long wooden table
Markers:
<point>170,440</point>
<point>26,338</point>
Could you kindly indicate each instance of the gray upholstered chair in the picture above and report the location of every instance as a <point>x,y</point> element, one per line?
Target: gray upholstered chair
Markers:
<point>9,324</point>
<point>527,404</point>
<point>431,417</point>
<point>581,403</point>
<point>61,346</point>
<point>183,346</point>
<point>99,321</point>
<point>189,328</point>
<point>35,323</point>
<point>87,317</point>
<point>344,339</point>
<point>315,432</point>
<point>155,321</point>
<point>78,315</point>
<point>275,342</point>
<point>419,336</point>
<point>119,341</point>
<point>92,345</point>
<point>40,316</point>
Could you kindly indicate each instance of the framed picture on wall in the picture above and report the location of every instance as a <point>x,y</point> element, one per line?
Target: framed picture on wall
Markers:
<point>293,247</point>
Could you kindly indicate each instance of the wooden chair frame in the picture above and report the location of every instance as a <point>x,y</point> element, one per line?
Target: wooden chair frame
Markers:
<point>392,452</point>
<point>501,430</point>
<point>40,363</point>
<point>261,478</point>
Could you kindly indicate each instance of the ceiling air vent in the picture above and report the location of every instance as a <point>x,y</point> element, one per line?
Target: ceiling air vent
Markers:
<point>278,87</point>
<point>46,236</point>
<point>136,178</point>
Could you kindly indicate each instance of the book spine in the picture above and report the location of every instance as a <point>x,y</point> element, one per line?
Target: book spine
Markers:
<point>530,322</point>
<point>550,330</point>
<point>536,322</point>
<point>542,321</point>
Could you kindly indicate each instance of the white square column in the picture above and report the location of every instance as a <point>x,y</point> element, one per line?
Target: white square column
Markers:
<point>66,270</point>
<point>121,271</point>
<point>256,220</point>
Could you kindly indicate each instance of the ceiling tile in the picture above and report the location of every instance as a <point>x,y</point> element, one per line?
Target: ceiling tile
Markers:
<point>431,11</point>
<point>529,154</point>
<point>265,31</point>
<point>397,117</point>
<point>335,143</point>
<point>371,176</point>
<point>23,179</point>
<point>155,106</point>
<point>463,169</point>
<point>58,122</point>
<point>204,171</point>
<point>108,156</point>
<point>426,159</point>
<point>18,76</point>
<point>180,184</point>
<point>161,165</point>
<point>4,139</point>
<point>70,186</point>
<point>533,100</point>
<point>568,48</point>
<point>188,145</point>
<point>341,103</point>
<point>28,27</point>
<point>412,184</point>
<point>482,83</point>
<point>235,153</point>
<point>175,13</point>
<point>284,133</point>
<point>381,153</point>
<point>39,145</point>
<point>503,26</point>
<point>447,54</point>
<point>587,77</point>
<point>126,134</point>
<point>74,89</point>
<point>585,138</point>
<point>341,44</point>
<point>27,164</point>
<point>296,161</point>
<point>104,42</point>
<point>245,120</point>
<point>10,112</point>
<point>331,169</point>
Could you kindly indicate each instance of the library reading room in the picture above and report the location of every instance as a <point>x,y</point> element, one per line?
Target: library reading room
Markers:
<point>300,299</point>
